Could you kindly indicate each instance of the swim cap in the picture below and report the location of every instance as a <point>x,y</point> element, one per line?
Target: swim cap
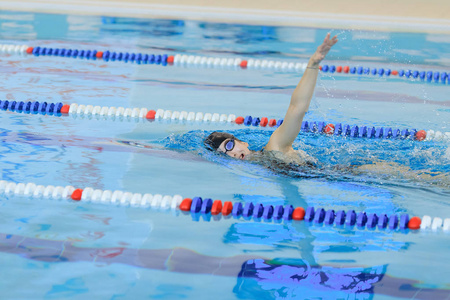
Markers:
<point>214,140</point>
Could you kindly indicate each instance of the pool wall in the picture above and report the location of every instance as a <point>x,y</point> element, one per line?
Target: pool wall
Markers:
<point>402,15</point>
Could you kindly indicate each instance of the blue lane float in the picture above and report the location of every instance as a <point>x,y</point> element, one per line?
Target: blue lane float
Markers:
<point>268,212</point>
<point>31,107</point>
<point>196,205</point>
<point>361,132</point>
<point>429,76</point>
<point>312,216</point>
<point>258,211</point>
<point>107,55</point>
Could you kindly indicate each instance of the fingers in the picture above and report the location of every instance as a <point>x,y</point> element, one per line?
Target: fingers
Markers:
<point>334,39</point>
<point>327,44</point>
<point>330,43</point>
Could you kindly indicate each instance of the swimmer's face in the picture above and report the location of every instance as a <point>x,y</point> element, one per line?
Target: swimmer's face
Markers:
<point>239,150</point>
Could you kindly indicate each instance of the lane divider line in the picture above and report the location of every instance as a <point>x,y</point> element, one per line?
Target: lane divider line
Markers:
<point>130,114</point>
<point>206,207</point>
<point>221,62</point>
<point>59,109</point>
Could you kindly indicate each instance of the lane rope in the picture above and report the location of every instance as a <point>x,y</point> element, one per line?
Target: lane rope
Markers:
<point>136,114</point>
<point>222,62</point>
<point>206,207</point>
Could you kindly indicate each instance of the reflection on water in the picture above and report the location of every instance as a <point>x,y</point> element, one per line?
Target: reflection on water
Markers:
<point>257,278</point>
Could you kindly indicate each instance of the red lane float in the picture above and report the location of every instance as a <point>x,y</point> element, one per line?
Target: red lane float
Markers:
<point>329,129</point>
<point>227,208</point>
<point>421,135</point>
<point>414,223</point>
<point>65,109</point>
<point>76,195</point>
<point>298,214</point>
<point>186,204</point>
<point>264,122</point>
<point>272,122</point>
<point>239,120</point>
<point>216,207</point>
<point>151,115</point>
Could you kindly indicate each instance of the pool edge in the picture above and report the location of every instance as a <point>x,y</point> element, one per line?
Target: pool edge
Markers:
<point>268,17</point>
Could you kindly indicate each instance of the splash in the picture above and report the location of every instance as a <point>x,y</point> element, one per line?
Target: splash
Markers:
<point>398,162</point>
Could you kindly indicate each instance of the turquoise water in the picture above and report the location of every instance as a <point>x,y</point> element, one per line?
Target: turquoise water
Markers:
<point>55,249</point>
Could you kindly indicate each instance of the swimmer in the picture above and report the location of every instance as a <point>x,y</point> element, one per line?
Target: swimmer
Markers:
<point>280,142</point>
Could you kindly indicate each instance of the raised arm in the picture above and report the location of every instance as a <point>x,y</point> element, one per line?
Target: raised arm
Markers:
<point>284,136</point>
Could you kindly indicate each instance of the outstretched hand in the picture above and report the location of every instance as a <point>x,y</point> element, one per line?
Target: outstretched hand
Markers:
<point>282,138</point>
<point>323,49</point>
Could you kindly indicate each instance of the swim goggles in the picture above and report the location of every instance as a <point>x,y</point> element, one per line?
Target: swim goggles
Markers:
<point>229,145</point>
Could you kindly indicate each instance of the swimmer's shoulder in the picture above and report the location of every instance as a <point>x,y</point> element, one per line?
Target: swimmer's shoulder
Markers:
<point>295,157</point>
<point>288,154</point>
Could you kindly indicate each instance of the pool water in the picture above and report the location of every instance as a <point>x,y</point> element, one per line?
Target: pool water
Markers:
<point>60,249</point>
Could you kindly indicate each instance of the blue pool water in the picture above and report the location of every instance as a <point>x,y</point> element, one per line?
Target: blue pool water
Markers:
<point>58,249</point>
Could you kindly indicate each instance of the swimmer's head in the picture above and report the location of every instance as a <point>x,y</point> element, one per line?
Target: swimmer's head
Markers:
<point>228,144</point>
